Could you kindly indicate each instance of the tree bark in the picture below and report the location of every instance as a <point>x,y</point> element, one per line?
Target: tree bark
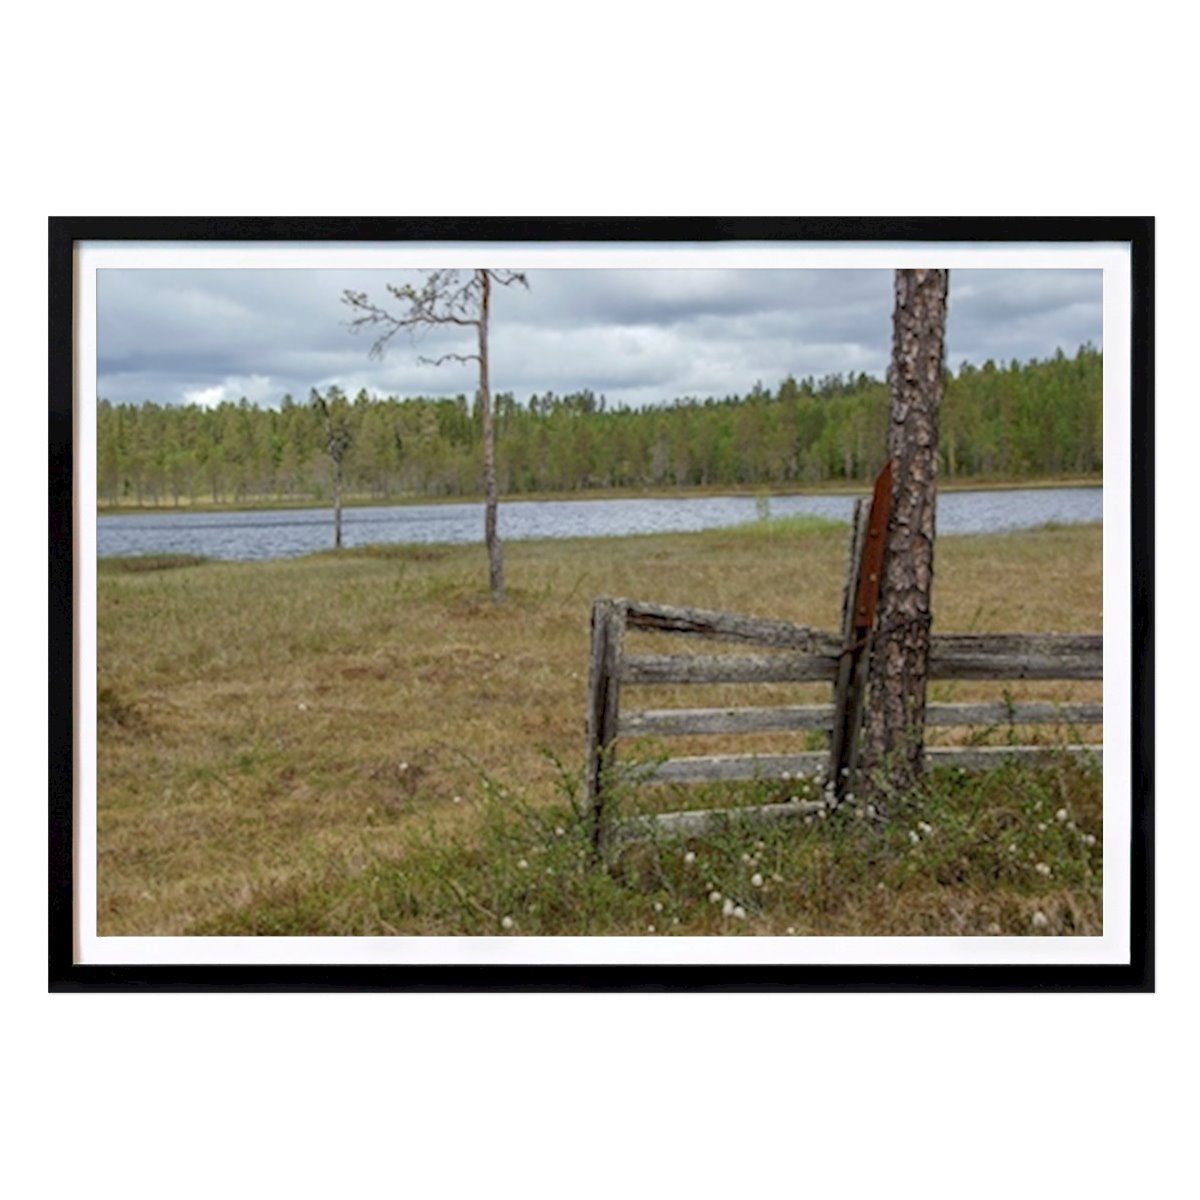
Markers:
<point>337,505</point>
<point>491,535</point>
<point>899,670</point>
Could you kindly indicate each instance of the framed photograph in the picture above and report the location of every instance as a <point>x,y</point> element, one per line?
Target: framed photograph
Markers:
<point>601,604</point>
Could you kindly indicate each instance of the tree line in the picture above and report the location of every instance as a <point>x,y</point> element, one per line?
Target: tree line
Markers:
<point>998,421</point>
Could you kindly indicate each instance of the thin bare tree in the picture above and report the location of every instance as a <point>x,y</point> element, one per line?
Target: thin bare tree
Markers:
<point>446,298</point>
<point>338,437</point>
<point>899,670</point>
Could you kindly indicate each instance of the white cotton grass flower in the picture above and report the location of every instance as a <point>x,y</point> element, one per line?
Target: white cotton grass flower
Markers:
<point>727,908</point>
<point>739,913</point>
<point>1089,839</point>
<point>650,929</point>
<point>1041,827</point>
<point>994,927</point>
<point>746,858</point>
<point>522,864</point>
<point>1042,869</point>
<point>1061,815</point>
<point>506,922</point>
<point>559,831</point>
<point>302,706</point>
<point>914,836</point>
<point>791,929</point>
<point>925,827</point>
<point>690,857</point>
<point>714,897</point>
<point>403,766</point>
<point>455,799</point>
<point>756,880</point>
<point>658,906</point>
<point>1040,920</point>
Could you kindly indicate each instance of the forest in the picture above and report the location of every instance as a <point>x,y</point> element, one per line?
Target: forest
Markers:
<point>1014,421</point>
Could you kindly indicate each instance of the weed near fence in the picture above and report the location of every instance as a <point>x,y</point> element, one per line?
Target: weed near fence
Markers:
<point>1014,851</point>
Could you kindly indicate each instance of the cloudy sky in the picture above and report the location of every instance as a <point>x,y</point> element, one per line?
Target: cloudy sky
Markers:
<point>639,336</point>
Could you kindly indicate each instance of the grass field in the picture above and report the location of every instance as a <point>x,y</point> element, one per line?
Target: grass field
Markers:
<point>362,744</point>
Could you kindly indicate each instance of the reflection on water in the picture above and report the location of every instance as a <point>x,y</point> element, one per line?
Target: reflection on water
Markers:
<point>281,534</point>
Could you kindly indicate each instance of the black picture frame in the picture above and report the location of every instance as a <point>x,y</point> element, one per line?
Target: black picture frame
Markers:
<point>66,974</point>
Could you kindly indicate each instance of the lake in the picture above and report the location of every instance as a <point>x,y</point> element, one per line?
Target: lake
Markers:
<point>290,532</point>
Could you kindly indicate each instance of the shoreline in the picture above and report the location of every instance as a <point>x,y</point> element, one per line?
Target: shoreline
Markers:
<point>839,488</point>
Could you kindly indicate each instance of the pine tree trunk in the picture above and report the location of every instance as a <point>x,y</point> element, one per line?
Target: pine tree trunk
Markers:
<point>491,535</point>
<point>894,734</point>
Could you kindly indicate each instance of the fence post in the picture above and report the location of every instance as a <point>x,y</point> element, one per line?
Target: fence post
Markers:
<point>858,619</point>
<point>604,685</point>
<point>843,705</point>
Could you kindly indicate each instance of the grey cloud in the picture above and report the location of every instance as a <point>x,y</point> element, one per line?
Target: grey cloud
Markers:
<point>639,336</point>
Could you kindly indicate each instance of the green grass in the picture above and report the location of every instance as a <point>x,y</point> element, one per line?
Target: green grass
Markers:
<point>136,564</point>
<point>784,528</point>
<point>1012,852</point>
<point>363,743</point>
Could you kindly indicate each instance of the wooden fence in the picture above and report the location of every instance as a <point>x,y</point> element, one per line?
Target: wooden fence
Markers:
<point>782,652</point>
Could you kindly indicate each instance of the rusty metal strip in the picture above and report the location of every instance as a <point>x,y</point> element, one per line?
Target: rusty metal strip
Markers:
<point>871,572</point>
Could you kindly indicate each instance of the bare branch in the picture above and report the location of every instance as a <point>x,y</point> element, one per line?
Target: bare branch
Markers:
<point>441,300</point>
<point>371,316</point>
<point>437,362</point>
<point>508,278</point>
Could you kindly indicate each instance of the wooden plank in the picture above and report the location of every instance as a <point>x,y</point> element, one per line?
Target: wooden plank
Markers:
<point>715,768</point>
<point>1017,656</point>
<point>720,626</point>
<point>791,718</point>
<point>842,725</point>
<point>604,689</point>
<point>672,722</point>
<point>858,531</point>
<point>1028,713</point>
<point>710,820</point>
<point>730,668</point>
<point>985,758</point>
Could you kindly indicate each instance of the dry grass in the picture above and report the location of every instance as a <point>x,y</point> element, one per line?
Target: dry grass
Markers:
<point>293,737</point>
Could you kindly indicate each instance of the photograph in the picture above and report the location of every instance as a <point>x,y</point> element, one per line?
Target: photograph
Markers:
<point>674,603</point>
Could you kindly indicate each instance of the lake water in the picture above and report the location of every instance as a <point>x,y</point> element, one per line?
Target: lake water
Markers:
<point>286,533</point>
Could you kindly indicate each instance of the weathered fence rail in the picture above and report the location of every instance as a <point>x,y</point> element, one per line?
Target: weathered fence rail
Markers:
<point>775,651</point>
<point>687,722</point>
